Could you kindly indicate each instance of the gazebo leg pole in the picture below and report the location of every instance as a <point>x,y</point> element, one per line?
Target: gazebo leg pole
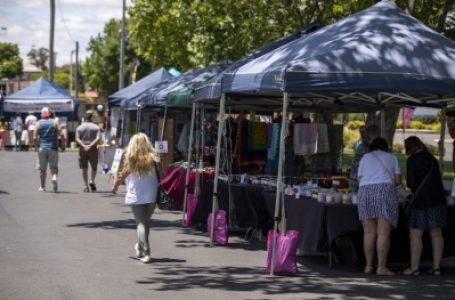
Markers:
<point>217,164</point>
<point>279,181</point>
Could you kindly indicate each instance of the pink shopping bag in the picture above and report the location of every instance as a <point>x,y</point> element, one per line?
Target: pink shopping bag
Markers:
<point>191,204</point>
<point>285,252</point>
<point>220,232</point>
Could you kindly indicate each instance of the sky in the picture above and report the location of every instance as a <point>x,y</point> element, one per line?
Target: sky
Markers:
<point>26,23</point>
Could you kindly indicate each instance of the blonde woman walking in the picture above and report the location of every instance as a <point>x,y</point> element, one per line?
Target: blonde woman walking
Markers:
<point>140,176</point>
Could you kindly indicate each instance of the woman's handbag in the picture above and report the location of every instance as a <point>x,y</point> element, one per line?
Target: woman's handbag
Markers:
<point>162,199</point>
<point>285,253</point>
<point>409,204</point>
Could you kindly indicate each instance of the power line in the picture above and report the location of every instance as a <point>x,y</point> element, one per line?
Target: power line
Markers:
<point>64,22</point>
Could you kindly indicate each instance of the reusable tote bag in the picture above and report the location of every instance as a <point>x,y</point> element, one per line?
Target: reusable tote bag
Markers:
<point>192,201</point>
<point>220,231</point>
<point>285,252</point>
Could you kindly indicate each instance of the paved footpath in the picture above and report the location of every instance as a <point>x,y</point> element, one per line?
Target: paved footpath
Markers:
<point>75,245</point>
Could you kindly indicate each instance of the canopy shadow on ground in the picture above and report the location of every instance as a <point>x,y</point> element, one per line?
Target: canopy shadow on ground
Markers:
<point>125,224</point>
<point>310,281</point>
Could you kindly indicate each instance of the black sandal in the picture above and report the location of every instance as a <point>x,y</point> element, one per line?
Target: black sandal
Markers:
<point>435,272</point>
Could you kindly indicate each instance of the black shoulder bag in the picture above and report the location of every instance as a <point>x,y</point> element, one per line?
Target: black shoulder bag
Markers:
<point>411,198</point>
<point>162,199</point>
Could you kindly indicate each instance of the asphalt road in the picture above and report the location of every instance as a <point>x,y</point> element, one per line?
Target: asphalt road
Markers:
<point>75,245</point>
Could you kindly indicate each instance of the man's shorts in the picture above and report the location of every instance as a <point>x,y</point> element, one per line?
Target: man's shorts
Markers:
<point>90,156</point>
<point>46,156</point>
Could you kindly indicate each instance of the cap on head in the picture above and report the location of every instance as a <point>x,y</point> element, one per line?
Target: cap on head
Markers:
<point>45,113</point>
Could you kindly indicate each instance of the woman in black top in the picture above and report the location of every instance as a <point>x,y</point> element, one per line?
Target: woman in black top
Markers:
<point>429,211</point>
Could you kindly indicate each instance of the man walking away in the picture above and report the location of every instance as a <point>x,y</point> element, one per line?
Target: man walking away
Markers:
<point>87,137</point>
<point>45,136</point>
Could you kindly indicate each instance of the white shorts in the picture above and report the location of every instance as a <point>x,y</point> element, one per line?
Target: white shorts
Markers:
<point>45,157</point>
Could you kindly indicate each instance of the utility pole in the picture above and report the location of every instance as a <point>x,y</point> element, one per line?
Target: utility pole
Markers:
<point>71,73</point>
<point>51,42</point>
<point>121,82</point>
<point>76,80</point>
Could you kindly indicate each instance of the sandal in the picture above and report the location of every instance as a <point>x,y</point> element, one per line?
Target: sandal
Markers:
<point>86,190</point>
<point>411,272</point>
<point>368,270</point>
<point>92,186</point>
<point>435,272</point>
<point>385,272</point>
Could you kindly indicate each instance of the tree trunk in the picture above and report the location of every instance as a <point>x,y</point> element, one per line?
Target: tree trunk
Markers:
<point>410,7</point>
<point>442,18</point>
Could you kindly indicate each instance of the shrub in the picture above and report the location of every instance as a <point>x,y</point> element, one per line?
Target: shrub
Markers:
<point>354,125</point>
<point>398,147</point>
<point>350,137</point>
<point>434,150</point>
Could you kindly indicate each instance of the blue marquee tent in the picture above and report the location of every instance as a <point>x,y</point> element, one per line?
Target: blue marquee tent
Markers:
<point>132,92</point>
<point>211,90</point>
<point>158,96</point>
<point>377,57</point>
<point>40,93</point>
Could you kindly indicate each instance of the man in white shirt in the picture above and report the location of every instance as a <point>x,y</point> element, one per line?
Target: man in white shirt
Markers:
<point>30,122</point>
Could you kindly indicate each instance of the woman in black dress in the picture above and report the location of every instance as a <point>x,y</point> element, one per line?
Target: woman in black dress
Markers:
<point>429,211</point>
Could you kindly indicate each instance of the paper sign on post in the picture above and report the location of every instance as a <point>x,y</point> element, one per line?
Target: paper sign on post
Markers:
<point>116,161</point>
<point>161,147</point>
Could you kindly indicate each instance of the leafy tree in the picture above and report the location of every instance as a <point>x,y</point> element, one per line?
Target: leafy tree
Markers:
<point>39,58</point>
<point>10,61</point>
<point>101,68</point>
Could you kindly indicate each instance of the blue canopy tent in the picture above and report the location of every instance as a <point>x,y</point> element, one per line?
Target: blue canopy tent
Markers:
<point>131,92</point>
<point>211,91</point>
<point>40,93</point>
<point>376,58</point>
<point>159,95</point>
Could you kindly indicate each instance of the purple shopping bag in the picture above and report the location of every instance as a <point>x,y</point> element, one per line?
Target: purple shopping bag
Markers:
<point>285,252</point>
<point>191,204</point>
<point>220,231</point>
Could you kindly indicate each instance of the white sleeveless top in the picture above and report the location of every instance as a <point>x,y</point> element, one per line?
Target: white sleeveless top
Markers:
<point>141,190</point>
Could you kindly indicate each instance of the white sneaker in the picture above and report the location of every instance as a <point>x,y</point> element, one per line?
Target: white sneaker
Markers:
<point>41,189</point>
<point>139,253</point>
<point>146,259</point>
<point>54,183</point>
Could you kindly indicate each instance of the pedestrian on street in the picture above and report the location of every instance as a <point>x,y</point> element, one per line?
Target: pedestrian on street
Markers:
<point>30,122</point>
<point>87,137</point>
<point>18,126</point>
<point>140,175</point>
<point>45,136</point>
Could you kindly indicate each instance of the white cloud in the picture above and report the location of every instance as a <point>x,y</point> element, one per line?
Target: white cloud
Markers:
<point>27,23</point>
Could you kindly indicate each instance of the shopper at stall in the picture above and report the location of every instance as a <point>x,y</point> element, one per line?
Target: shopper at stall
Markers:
<point>3,132</point>
<point>18,126</point>
<point>428,211</point>
<point>378,175</point>
<point>30,122</point>
<point>367,135</point>
<point>141,179</point>
<point>451,128</point>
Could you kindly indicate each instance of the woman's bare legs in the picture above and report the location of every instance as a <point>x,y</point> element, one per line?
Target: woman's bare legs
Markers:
<point>415,237</point>
<point>382,246</point>
<point>437,243</point>
<point>369,242</point>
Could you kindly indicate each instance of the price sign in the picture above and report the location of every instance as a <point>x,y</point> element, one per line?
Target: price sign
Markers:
<point>116,162</point>
<point>161,147</point>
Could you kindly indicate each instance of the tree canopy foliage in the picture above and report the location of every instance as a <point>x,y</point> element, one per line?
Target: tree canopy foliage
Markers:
<point>39,58</point>
<point>10,61</point>
<point>187,34</point>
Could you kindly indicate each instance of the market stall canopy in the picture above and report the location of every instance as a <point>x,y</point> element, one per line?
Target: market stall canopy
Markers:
<point>211,91</point>
<point>158,96</point>
<point>378,57</point>
<point>133,91</point>
<point>40,93</point>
